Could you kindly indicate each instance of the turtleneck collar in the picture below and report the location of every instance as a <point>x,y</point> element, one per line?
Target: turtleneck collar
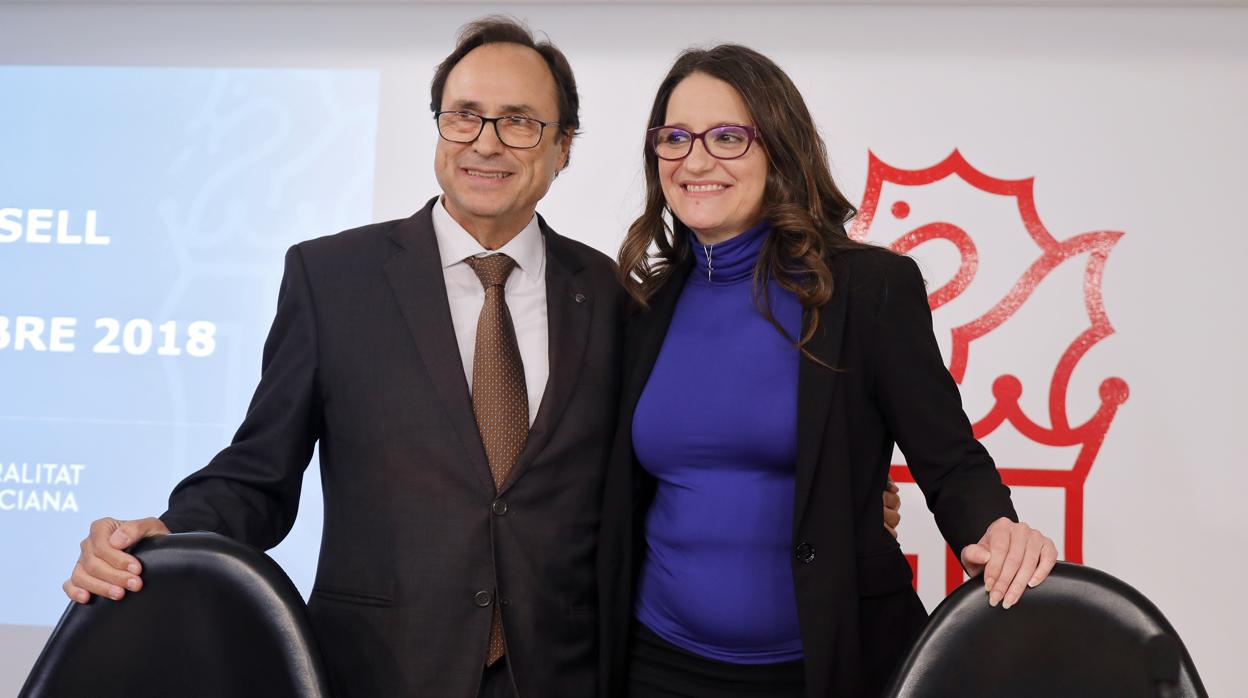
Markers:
<point>730,261</point>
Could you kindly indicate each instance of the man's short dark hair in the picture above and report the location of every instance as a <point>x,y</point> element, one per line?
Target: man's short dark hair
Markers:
<point>497,29</point>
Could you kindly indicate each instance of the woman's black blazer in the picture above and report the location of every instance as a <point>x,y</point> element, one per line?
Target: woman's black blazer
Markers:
<point>888,384</point>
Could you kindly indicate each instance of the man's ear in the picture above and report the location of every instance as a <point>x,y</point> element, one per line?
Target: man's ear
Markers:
<point>565,148</point>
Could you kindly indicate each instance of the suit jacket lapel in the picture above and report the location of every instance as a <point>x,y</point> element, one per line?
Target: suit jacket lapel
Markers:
<point>415,275</point>
<point>569,309</point>
<point>815,385</point>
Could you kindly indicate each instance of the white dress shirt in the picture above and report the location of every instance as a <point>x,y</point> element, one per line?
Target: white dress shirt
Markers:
<point>525,293</point>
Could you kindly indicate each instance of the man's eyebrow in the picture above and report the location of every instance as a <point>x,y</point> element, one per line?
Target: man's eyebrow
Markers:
<point>517,109</point>
<point>475,106</point>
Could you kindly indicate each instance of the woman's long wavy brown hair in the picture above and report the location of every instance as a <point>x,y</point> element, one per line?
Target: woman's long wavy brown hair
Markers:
<point>806,210</point>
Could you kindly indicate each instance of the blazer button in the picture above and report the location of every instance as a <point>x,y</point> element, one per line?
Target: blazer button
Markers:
<point>805,553</point>
<point>579,298</point>
<point>499,507</point>
<point>482,598</point>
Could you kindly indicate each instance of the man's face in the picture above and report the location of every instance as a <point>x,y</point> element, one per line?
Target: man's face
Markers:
<point>489,187</point>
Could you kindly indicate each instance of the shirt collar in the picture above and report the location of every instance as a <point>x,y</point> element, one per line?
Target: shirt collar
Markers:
<point>455,244</point>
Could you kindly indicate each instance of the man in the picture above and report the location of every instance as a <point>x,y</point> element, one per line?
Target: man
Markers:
<point>442,543</point>
<point>460,370</point>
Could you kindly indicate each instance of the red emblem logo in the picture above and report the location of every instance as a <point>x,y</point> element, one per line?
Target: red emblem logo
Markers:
<point>1006,249</point>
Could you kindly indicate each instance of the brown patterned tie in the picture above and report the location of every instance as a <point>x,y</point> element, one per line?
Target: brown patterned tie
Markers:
<point>500,400</point>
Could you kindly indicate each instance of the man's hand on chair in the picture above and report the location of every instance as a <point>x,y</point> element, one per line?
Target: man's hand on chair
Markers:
<point>104,568</point>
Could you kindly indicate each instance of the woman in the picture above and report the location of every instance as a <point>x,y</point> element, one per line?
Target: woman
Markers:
<point>773,363</point>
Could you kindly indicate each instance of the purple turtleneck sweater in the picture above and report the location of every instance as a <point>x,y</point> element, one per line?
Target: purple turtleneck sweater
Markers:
<point>717,427</point>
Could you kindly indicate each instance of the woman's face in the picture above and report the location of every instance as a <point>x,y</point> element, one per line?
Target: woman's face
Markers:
<point>717,199</point>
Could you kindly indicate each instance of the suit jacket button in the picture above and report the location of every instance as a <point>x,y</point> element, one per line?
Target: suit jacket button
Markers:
<point>499,507</point>
<point>805,553</point>
<point>482,598</point>
<point>579,298</point>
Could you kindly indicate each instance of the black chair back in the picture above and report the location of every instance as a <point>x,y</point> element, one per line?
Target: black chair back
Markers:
<point>214,618</point>
<point>1080,633</point>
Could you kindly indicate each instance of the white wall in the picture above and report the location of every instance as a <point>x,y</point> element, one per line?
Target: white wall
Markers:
<point>1129,119</point>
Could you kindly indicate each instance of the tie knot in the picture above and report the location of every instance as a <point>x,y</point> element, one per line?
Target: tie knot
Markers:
<point>492,270</point>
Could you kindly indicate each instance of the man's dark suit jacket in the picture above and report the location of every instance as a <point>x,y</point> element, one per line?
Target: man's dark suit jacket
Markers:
<point>362,357</point>
<point>857,610</point>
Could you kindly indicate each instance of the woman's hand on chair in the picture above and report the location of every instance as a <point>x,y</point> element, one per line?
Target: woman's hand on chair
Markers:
<point>1012,556</point>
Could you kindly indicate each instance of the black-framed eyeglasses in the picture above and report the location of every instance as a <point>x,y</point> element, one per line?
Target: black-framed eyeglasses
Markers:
<point>725,142</point>
<point>519,132</point>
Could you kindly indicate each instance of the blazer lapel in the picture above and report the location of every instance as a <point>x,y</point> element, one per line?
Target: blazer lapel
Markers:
<point>415,275</point>
<point>646,332</point>
<point>569,309</point>
<point>814,390</point>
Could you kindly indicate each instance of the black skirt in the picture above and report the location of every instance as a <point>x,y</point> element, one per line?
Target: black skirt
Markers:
<point>659,669</point>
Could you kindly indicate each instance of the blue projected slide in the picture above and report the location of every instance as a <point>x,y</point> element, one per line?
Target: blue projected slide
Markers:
<point>144,213</point>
